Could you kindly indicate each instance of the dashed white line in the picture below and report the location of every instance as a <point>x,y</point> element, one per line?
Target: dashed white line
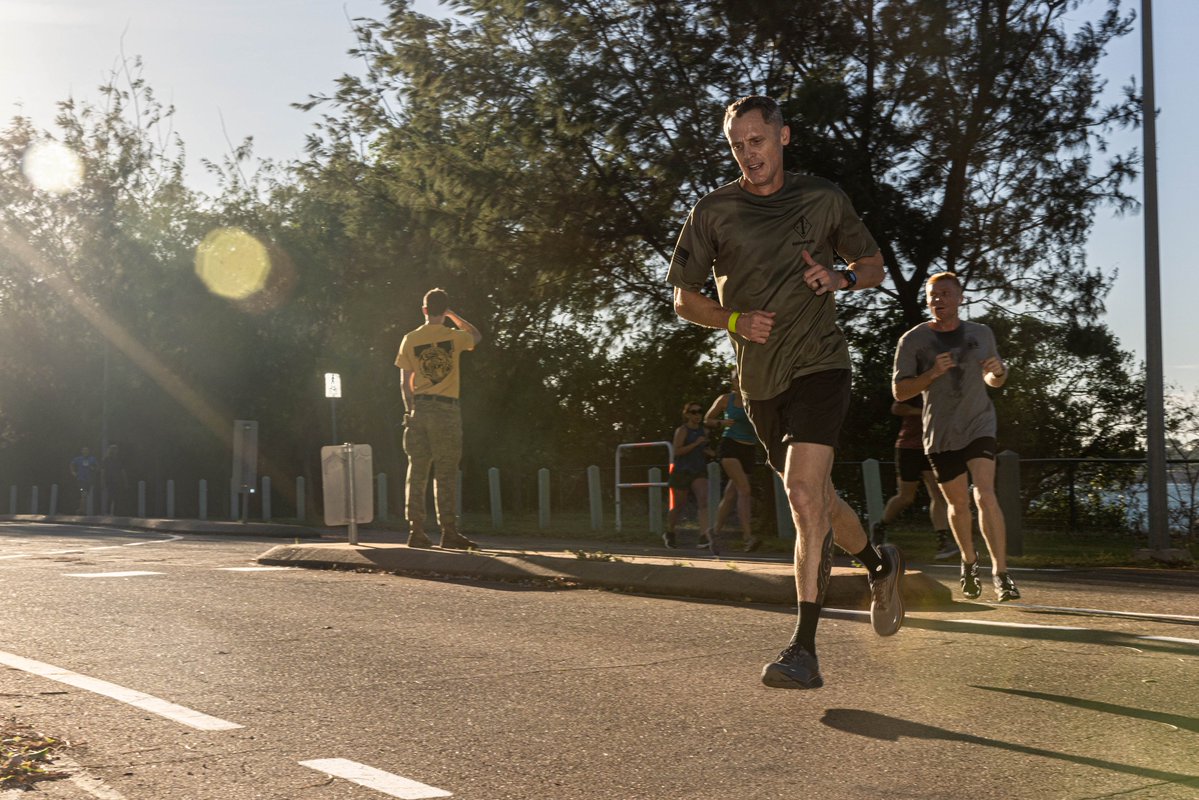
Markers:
<point>129,574</point>
<point>252,569</point>
<point>376,779</point>
<point>145,702</point>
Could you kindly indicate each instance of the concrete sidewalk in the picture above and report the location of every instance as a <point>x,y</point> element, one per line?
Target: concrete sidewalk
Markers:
<point>623,566</point>
<point>619,566</point>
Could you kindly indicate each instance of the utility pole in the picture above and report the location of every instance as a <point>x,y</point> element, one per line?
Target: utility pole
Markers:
<point>1159,526</point>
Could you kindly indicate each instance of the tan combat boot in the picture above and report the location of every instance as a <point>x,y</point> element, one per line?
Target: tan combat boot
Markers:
<point>452,540</point>
<point>416,535</point>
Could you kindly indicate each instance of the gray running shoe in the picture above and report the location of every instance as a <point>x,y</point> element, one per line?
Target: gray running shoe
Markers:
<point>795,668</point>
<point>946,546</point>
<point>886,601</point>
<point>1004,588</point>
<point>971,586</point>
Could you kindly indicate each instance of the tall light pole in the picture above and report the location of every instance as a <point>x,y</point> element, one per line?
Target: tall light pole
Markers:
<point>1159,527</point>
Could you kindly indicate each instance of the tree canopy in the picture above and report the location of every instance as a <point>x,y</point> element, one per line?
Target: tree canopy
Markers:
<point>537,161</point>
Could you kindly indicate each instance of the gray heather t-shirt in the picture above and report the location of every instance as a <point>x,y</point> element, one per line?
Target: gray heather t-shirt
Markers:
<point>753,246</point>
<point>957,409</point>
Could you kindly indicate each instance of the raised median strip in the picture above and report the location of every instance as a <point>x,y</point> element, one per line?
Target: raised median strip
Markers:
<point>708,579</point>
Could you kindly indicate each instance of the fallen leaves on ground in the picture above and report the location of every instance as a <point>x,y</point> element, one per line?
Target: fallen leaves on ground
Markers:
<point>26,756</point>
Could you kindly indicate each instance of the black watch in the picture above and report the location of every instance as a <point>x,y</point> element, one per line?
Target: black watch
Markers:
<point>851,278</point>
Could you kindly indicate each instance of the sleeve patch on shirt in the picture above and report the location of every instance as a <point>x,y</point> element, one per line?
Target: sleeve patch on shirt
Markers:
<point>679,260</point>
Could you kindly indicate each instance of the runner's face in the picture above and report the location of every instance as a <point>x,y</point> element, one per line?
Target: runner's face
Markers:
<point>758,148</point>
<point>944,298</point>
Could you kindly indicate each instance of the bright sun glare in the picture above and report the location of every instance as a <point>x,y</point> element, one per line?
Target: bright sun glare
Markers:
<point>232,263</point>
<point>52,167</point>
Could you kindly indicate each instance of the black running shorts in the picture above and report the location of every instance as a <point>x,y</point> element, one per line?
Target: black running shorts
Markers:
<point>948,464</point>
<point>812,410</point>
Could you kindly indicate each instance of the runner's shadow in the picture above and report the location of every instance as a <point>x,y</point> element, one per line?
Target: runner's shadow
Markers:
<point>1176,720</point>
<point>892,729</point>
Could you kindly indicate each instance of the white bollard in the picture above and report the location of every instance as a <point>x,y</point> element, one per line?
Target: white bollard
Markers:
<point>655,502</point>
<point>33,501</point>
<point>381,497</point>
<point>497,507</point>
<point>595,497</point>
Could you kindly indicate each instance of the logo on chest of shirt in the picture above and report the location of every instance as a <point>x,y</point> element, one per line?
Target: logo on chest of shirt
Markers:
<point>804,229</point>
<point>436,361</point>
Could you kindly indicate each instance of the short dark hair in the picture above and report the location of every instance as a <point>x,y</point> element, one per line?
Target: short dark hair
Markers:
<point>760,102</point>
<point>436,302</point>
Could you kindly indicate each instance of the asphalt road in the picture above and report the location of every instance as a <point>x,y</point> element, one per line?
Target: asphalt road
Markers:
<point>182,671</point>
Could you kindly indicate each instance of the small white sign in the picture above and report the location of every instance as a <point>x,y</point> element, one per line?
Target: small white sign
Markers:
<point>332,384</point>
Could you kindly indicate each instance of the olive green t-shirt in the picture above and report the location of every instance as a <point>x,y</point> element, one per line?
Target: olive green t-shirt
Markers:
<point>754,247</point>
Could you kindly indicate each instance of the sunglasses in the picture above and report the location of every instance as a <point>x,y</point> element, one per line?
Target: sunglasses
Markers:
<point>695,411</point>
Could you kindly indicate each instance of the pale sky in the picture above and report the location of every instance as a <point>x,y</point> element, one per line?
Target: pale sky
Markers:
<point>246,61</point>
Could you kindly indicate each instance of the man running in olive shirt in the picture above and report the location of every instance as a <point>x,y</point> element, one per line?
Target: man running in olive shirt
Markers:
<point>769,239</point>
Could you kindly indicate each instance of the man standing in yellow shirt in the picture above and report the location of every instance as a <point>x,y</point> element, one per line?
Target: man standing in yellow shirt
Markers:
<point>429,370</point>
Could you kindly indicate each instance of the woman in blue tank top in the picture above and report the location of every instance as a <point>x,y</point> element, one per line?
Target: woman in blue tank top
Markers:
<point>738,453</point>
<point>688,471</point>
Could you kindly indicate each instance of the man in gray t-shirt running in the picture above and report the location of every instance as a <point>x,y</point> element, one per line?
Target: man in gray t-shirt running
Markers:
<point>951,362</point>
<point>770,240</point>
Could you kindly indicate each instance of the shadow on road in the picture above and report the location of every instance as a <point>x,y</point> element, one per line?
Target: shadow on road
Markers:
<point>891,729</point>
<point>1177,720</point>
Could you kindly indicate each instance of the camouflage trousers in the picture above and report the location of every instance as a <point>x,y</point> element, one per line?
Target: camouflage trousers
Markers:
<point>433,442</point>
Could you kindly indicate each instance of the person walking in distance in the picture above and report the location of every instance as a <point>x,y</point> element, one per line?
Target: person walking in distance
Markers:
<point>429,374</point>
<point>83,469</point>
<point>737,451</point>
<point>769,239</point>
<point>688,471</point>
<point>911,468</point>
<point>951,362</point>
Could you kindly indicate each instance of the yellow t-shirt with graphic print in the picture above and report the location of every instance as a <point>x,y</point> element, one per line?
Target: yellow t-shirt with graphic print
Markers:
<point>431,354</point>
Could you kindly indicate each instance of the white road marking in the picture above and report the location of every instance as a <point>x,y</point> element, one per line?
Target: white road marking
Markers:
<point>1025,625</point>
<point>252,569</point>
<point>169,538</point>
<point>376,779</point>
<point>134,698</point>
<point>87,783</point>
<point>1170,639</point>
<point>130,574</point>
<point>1106,612</point>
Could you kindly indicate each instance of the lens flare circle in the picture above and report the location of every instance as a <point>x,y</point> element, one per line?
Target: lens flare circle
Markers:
<point>52,167</point>
<point>232,263</point>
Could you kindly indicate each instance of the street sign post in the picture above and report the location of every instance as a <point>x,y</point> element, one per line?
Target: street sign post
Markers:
<point>349,497</point>
<point>333,392</point>
<point>245,461</point>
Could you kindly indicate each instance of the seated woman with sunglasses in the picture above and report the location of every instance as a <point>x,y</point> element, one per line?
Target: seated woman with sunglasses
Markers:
<point>689,470</point>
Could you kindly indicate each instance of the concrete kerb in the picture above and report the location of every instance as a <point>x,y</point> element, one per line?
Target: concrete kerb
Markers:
<point>193,526</point>
<point>708,579</point>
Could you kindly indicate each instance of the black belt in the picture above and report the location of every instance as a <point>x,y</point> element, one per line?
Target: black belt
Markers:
<point>436,398</point>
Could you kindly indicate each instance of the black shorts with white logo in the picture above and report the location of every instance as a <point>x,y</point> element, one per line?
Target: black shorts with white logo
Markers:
<point>948,464</point>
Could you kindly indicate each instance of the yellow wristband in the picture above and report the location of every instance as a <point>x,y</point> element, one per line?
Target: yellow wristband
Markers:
<point>733,321</point>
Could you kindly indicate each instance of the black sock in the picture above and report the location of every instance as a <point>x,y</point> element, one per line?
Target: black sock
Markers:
<point>805,626</point>
<point>873,562</point>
